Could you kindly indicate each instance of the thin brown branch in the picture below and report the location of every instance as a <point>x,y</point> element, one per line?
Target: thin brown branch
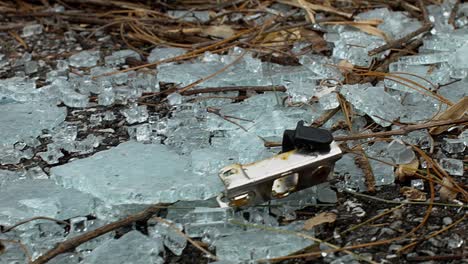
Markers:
<point>404,130</point>
<point>7,229</point>
<point>273,88</point>
<point>396,132</point>
<point>325,117</point>
<point>74,242</point>
<point>190,86</point>
<point>216,111</point>
<point>402,42</point>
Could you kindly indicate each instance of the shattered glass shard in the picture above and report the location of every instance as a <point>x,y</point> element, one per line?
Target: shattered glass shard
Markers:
<point>73,99</point>
<point>84,59</point>
<point>453,145</point>
<point>133,247</point>
<point>28,198</point>
<point>452,166</point>
<point>259,244</point>
<point>173,240</point>
<point>158,54</point>
<point>354,177</point>
<point>202,218</point>
<point>33,29</point>
<point>20,121</point>
<point>374,101</point>
<point>118,57</point>
<point>400,153</point>
<point>52,155</point>
<point>136,173</point>
<point>135,114</point>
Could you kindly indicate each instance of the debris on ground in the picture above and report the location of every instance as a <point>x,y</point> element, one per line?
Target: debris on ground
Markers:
<point>117,117</point>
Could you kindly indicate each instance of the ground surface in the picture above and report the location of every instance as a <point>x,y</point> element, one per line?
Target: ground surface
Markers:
<point>382,239</point>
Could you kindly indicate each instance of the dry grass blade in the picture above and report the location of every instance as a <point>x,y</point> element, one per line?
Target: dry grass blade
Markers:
<point>315,7</point>
<point>322,218</point>
<point>19,39</point>
<point>367,22</point>
<point>441,173</point>
<point>372,31</point>
<point>310,12</point>
<point>456,111</point>
<point>7,229</point>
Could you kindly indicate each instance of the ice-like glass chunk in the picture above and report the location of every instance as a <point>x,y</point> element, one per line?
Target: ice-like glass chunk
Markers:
<point>137,173</point>
<point>135,114</point>
<point>145,81</point>
<point>452,166</point>
<point>455,91</point>
<point>173,240</point>
<point>453,145</point>
<point>78,224</point>
<point>36,173</point>
<point>419,138</point>
<point>31,67</point>
<point>28,198</point>
<point>400,153</point>
<point>403,77</point>
<point>65,133</point>
<point>106,98</point>
<point>445,42</point>
<point>33,29</point>
<point>201,218</point>
<point>13,155</point>
<point>84,59</point>
<point>325,194</point>
<point>52,155</point>
<point>438,16</point>
<point>143,132</point>
<point>133,247</point>
<point>355,45</point>
<point>42,237</point>
<point>383,173</point>
<point>329,101</point>
<point>74,99</point>
<point>464,136</point>
<point>354,177</point>
<point>190,16</point>
<point>424,59</point>
<point>374,101</point>
<point>460,57</point>
<point>20,121</point>
<point>87,145</point>
<point>419,108</point>
<point>118,57</point>
<point>174,99</point>
<point>259,244</point>
<point>321,66</point>
<point>158,54</point>
<point>395,24</point>
<point>211,160</point>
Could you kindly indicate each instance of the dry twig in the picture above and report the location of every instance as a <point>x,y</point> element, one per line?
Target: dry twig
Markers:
<point>74,242</point>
